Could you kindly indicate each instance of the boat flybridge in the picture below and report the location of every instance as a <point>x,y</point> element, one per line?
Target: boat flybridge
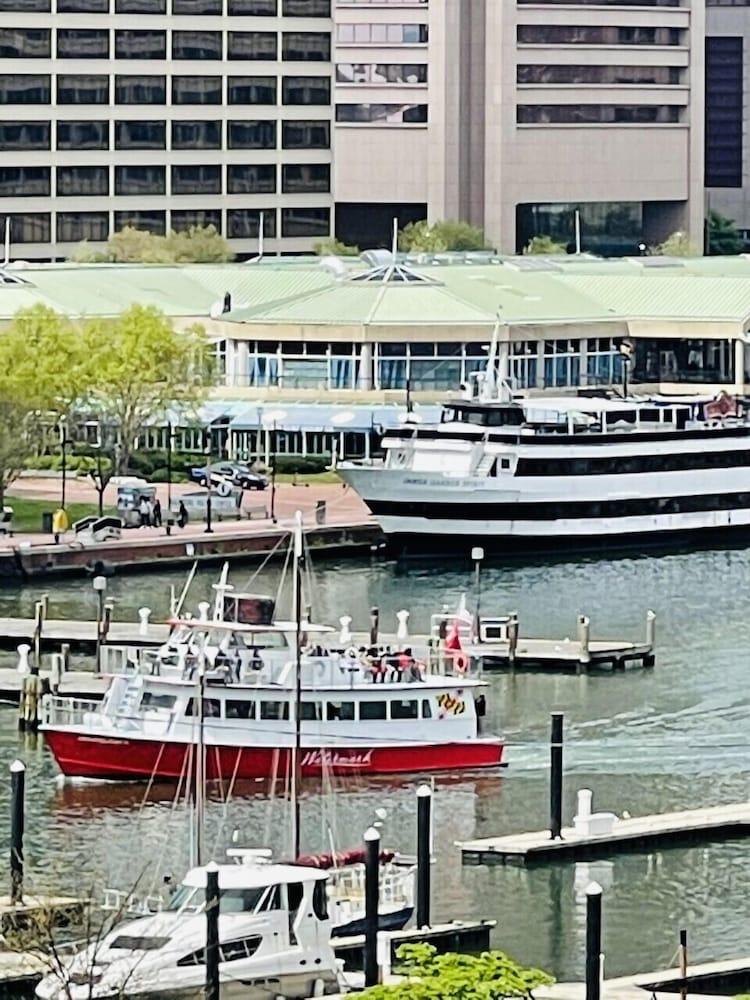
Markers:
<point>274,933</point>
<point>592,470</point>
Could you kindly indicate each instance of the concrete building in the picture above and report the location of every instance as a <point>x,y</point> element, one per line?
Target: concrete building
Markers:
<point>513,114</point>
<point>164,114</point>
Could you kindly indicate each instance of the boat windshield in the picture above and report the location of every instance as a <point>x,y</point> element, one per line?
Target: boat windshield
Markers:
<point>188,897</point>
<point>192,899</point>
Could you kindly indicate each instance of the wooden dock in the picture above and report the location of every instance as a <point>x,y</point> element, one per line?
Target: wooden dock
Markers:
<point>462,936</point>
<point>81,684</point>
<point>692,826</point>
<point>560,655</point>
<point>79,635</point>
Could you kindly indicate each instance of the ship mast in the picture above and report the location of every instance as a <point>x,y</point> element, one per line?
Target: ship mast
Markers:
<point>297,749</point>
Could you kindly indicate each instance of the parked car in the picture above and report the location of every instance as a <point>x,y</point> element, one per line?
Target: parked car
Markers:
<point>232,472</point>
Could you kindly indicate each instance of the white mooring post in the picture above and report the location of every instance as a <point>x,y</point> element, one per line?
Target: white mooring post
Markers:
<point>345,636</point>
<point>143,616</point>
<point>402,633</point>
<point>23,658</point>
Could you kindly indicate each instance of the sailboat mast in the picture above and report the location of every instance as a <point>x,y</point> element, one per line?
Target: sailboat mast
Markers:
<point>297,752</point>
<point>200,760</point>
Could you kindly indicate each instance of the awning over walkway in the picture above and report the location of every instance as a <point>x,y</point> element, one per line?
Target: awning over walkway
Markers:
<point>327,419</point>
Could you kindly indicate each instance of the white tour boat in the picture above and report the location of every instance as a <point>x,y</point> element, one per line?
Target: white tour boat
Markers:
<point>274,934</point>
<point>541,473</point>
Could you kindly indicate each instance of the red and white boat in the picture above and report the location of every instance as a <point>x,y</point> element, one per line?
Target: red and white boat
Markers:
<point>232,686</point>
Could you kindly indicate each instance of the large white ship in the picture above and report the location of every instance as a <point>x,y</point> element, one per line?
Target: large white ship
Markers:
<point>540,473</point>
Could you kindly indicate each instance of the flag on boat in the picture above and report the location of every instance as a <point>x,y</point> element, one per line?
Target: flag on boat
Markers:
<point>453,639</point>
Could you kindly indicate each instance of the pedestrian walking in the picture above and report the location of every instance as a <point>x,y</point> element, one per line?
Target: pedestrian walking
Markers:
<point>156,513</point>
<point>182,514</point>
<point>144,510</point>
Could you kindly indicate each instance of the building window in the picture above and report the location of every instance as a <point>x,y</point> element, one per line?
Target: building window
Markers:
<point>306,90</point>
<point>82,181</point>
<point>140,6</point>
<point>83,135</point>
<point>306,8</point>
<point>251,135</point>
<point>724,111</point>
<point>141,90</point>
<point>252,8</point>
<point>562,363</point>
<point>306,135</point>
<point>299,178</point>
<point>603,361</point>
<point>82,6</point>
<point>381,73</point>
<point>81,89</point>
<point>383,114</point>
<point>75,226</point>
<point>252,45</point>
<point>244,178</point>
<point>306,46</point>
<point>24,88</point>
<point>196,90</point>
<point>200,8</point>
<point>182,219</point>
<point>140,180</point>
<point>140,44</point>
<point>152,221</point>
<point>82,43</point>
<point>25,6</point>
<point>305,221</point>
<point>25,182</point>
<point>25,43</point>
<point>609,229</point>
<point>610,75</point>
<point>251,90</point>
<point>597,114</point>
<point>25,135</point>
<point>28,227</point>
<point>196,135</point>
<point>581,34</point>
<point>523,364</point>
<point>244,223</point>
<point>140,135</point>
<point>196,179</point>
<point>382,34</point>
<point>196,45</point>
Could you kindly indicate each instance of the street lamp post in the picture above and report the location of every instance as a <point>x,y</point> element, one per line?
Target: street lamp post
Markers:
<point>273,474</point>
<point>100,588</point>
<point>169,470</point>
<point>62,427</point>
<point>207,451</point>
<point>626,353</point>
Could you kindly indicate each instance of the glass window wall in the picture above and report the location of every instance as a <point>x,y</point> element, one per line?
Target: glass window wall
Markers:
<point>196,179</point>
<point>306,135</point>
<point>251,90</point>
<point>25,43</point>
<point>24,88</point>
<point>140,135</point>
<point>182,219</point>
<point>24,182</point>
<point>139,179</point>
<point>132,44</point>
<point>28,227</point>
<point>83,135</point>
<point>306,46</point>
<point>196,135</point>
<point>196,45</point>
<point>82,43</point>
<point>196,90</point>
<point>82,181</point>
<point>252,135</point>
<point>245,178</point>
<point>244,223</point>
<point>306,90</point>
<point>141,90</point>
<point>152,221</point>
<point>252,45</point>
<point>72,227</point>
<point>302,178</point>
<point>24,135</point>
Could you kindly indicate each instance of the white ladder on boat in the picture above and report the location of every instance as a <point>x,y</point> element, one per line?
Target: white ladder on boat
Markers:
<point>132,697</point>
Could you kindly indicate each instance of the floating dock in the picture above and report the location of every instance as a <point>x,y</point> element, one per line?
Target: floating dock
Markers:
<point>80,684</point>
<point>561,655</point>
<point>80,636</point>
<point>462,936</point>
<point>692,826</point>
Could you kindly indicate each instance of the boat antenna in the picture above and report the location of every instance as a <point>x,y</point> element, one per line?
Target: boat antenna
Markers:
<point>185,589</point>
<point>297,751</point>
<point>489,383</point>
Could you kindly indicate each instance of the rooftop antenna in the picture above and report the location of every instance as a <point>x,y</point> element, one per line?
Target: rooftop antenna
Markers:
<point>6,261</point>
<point>261,233</point>
<point>489,383</point>
<point>578,231</point>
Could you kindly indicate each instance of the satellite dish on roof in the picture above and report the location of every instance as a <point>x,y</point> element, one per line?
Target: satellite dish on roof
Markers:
<point>333,265</point>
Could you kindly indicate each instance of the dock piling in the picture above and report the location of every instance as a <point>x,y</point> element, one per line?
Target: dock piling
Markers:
<point>683,952</point>
<point>556,776</point>
<point>593,941</point>
<point>374,625</point>
<point>424,854</point>
<point>477,555</point>
<point>17,795</point>
<point>372,901</point>
<point>213,906</point>
<point>650,628</point>
<point>38,628</point>
<point>56,671</point>
<point>512,639</point>
<point>402,633</point>
<point>584,640</point>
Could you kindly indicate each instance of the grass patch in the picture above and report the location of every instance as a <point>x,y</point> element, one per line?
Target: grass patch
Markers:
<point>301,479</point>
<point>27,513</point>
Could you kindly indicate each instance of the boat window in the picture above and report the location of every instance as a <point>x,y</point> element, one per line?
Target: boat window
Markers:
<point>229,951</point>
<point>372,710</point>
<point>188,896</point>
<point>130,942</point>
<point>426,709</point>
<point>269,640</point>
<point>342,711</point>
<point>243,900</point>
<point>311,711</point>
<point>274,710</point>
<point>152,700</point>
<point>404,710</point>
<point>211,708</point>
<point>295,893</point>
<point>320,900</point>
<point>240,709</point>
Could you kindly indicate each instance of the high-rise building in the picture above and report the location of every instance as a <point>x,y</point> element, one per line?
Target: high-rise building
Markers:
<point>727,99</point>
<point>163,114</point>
<point>513,114</point>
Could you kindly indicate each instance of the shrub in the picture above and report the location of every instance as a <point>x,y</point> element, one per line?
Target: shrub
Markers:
<point>290,464</point>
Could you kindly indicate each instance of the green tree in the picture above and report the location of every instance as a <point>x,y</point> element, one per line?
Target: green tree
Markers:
<point>677,245</point>
<point>544,245</point>
<point>333,247</point>
<point>198,245</point>
<point>142,367</point>
<point>421,237</point>
<point>429,976</point>
<point>723,236</point>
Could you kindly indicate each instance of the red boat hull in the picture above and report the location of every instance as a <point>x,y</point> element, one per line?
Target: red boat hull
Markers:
<point>127,759</point>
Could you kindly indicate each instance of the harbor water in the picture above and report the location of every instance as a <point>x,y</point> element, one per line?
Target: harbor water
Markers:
<point>644,741</point>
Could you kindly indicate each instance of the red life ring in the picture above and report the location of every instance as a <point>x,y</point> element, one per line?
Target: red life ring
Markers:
<point>460,663</point>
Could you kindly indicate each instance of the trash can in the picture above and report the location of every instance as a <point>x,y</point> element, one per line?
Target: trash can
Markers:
<point>47,522</point>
